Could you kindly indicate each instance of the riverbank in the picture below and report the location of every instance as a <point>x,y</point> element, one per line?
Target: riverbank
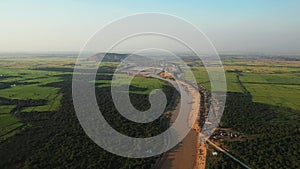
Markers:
<point>186,154</point>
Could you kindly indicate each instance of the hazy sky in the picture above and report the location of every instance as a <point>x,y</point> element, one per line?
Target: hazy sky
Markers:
<point>264,26</point>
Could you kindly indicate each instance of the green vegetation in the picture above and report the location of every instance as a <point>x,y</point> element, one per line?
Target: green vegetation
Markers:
<point>53,104</point>
<point>8,122</point>
<point>272,133</point>
<point>6,109</point>
<point>50,134</point>
<point>138,85</point>
<point>266,112</point>
<point>201,76</point>
<point>286,78</point>
<point>277,95</point>
<point>24,92</point>
<point>39,128</point>
<point>274,85</point>
<point>23,89</point>
<point>24,84</point>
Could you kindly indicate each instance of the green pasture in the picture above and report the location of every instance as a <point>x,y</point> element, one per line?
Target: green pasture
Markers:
<point>263,69</point>
<point>277,95</point>
<point>24,92</point>
<point>53,105</point>
<point>26,75</point>
<point>287,78</point>
<point>278,86</point>
<point>149,84</point>
<point>8,124</point>
<point>4,109</point>
<point>36,91</point>
<point>201,76</point>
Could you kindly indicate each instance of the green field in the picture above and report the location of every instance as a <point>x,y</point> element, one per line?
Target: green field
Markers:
<point>20,80</point>
<point>6,109</point>
<point>286,78</point>
<point>40,127</point>
<point>276,95</point>
<point>24,92</point>
<point>278,86</point>
<point>35,93</point>
<point>262,103</point>
<point>53,104</point>
<point>31,79</point>
<point>8,122</point>
<point>147,85</point>
<point>24,83</point>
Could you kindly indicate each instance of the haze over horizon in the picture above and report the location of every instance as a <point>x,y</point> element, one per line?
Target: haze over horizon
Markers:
<point>267,27</point>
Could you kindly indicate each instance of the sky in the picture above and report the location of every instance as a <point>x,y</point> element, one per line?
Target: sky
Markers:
<point>233,26</point>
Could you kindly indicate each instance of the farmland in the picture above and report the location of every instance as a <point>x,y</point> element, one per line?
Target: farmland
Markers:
<point>24,90</point>
<point>263,104</point>
<point>275,85</point>
<point>39,127</point>
<point>38,117</point>
<point>147,84</point>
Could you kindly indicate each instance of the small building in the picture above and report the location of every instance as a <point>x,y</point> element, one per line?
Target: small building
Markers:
<point>215,153</point>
